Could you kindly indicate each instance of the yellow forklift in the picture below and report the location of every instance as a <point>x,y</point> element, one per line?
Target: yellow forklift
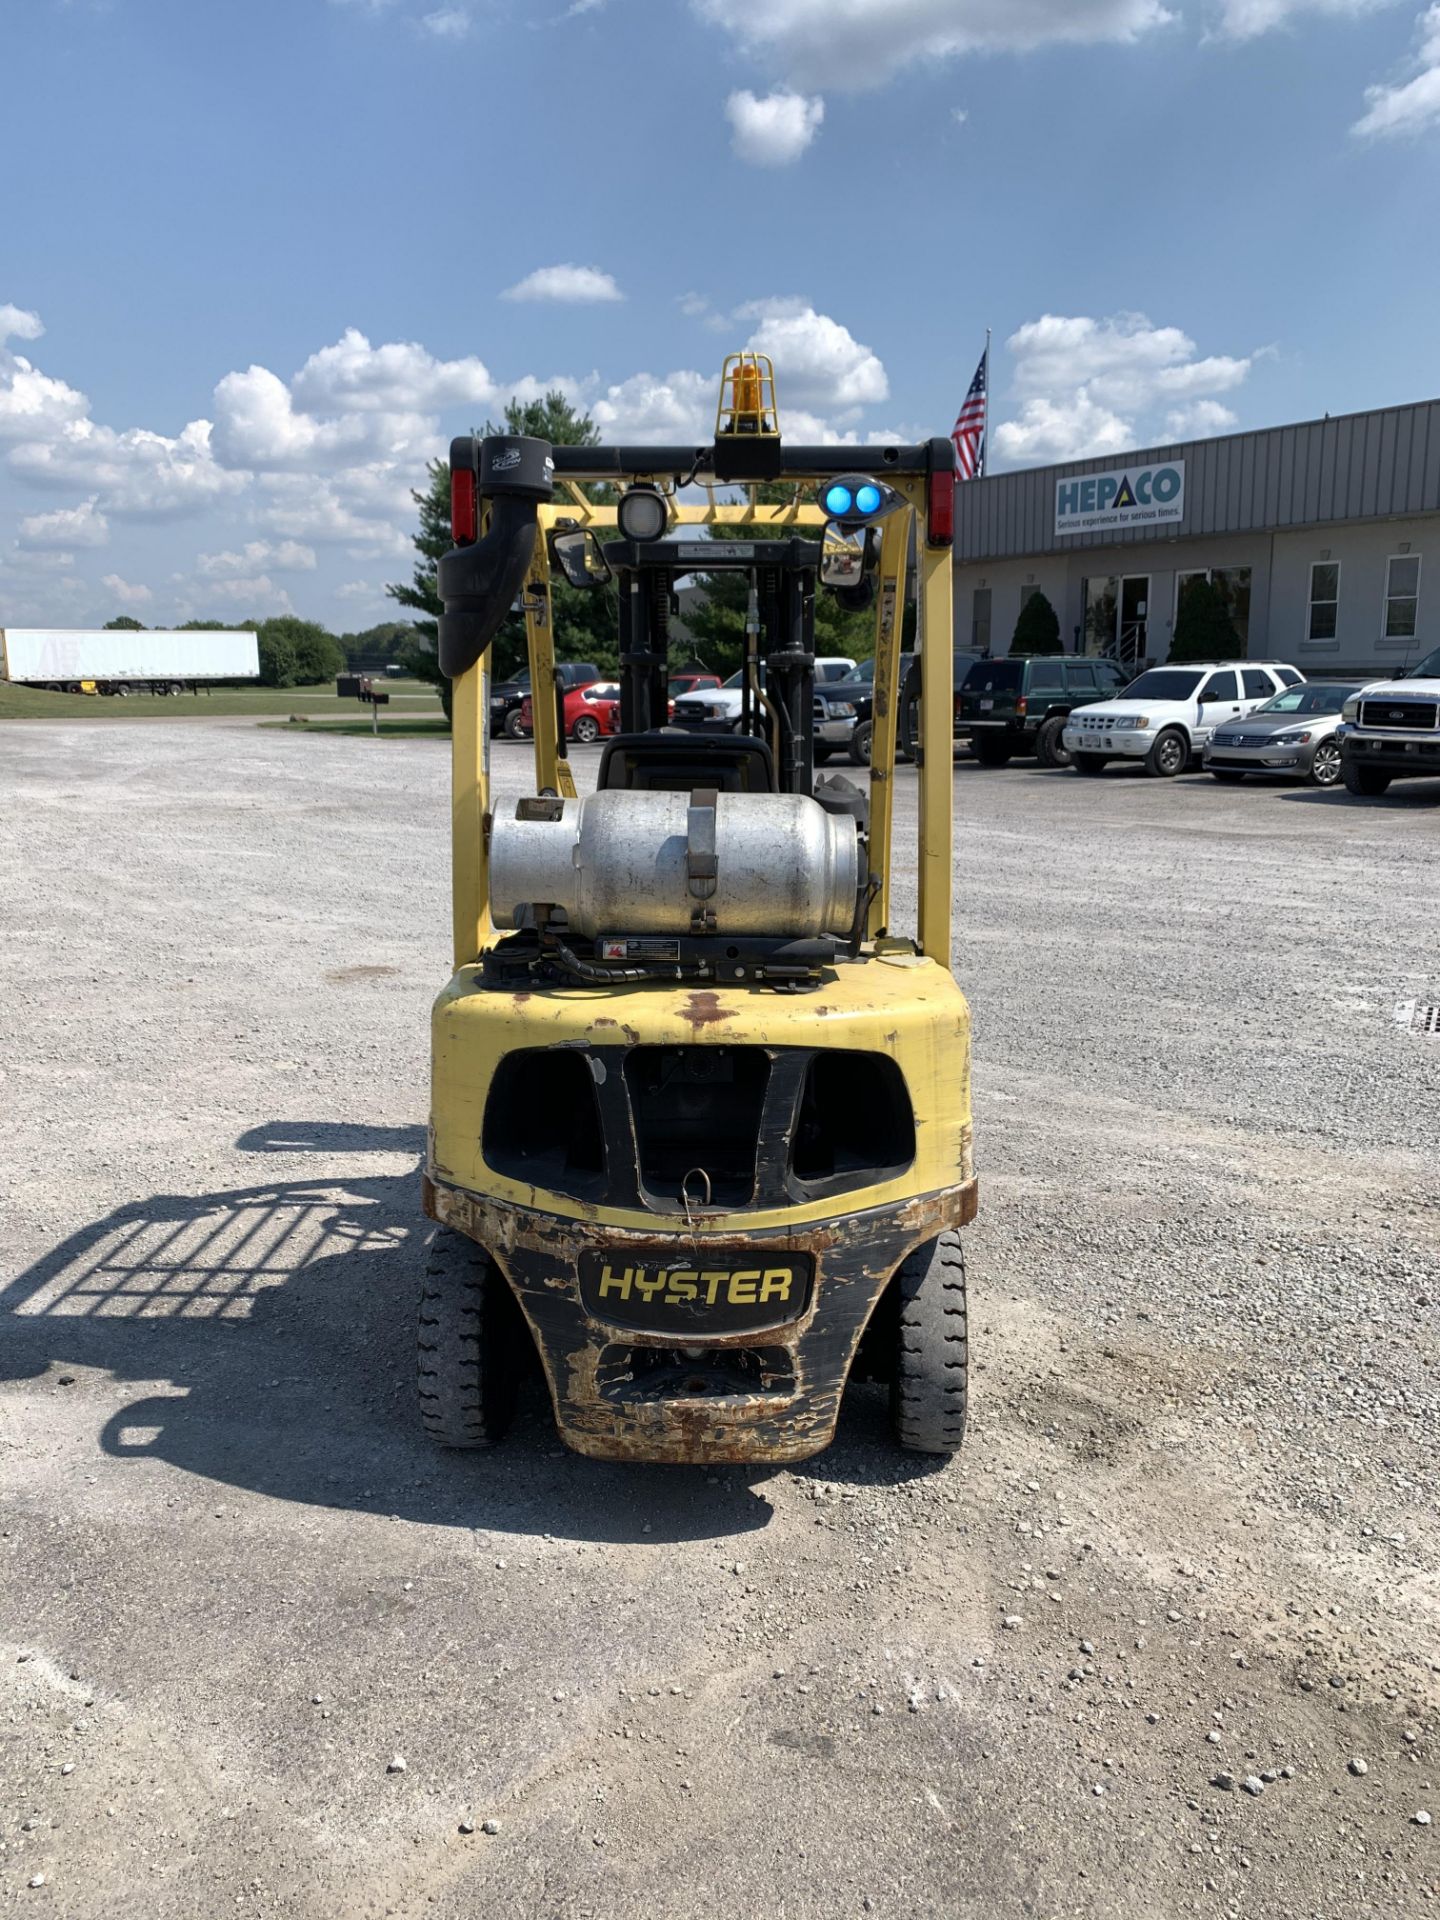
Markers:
<point>700,1126</point>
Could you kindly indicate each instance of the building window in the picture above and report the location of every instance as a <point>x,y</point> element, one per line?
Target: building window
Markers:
<point>1233,584</point>
<point>1402,596</point>
<point>1324,600</point>
<point>980,620</point>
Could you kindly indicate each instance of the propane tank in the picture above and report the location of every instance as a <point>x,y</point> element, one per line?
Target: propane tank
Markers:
<point>628,862</point>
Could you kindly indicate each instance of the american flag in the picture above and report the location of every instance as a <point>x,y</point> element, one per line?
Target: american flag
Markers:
<point>968,432</point>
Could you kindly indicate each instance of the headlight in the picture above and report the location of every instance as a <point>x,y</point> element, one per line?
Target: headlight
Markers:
<point>839,710</point>
<point>1351,708</point>
<point>1132,720</point>
<point>1288,739</point>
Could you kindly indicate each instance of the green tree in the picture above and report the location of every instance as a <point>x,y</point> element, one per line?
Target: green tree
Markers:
<point>717,622</point>
<point>1203,627</point>
<point>296,653</point>
<point>586,626</point>
<point>377,646</point>
<point>1038,628</point>
<point>124,624</point>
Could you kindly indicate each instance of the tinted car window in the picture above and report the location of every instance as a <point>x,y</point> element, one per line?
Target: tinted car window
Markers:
<point>1289,677</point>
<point>1311,697</point>
<point>990,676</point>
<point>1164,683</point>
<point>1258,685</point>
<point>1220,686</point>
<point>1108,676</point>
<point>1047,676</point>
<point>1428,669</point>
<point>1081,677</point>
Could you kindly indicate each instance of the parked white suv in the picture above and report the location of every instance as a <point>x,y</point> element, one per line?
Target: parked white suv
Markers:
<point>717,709</point>
<point>1165,717</point>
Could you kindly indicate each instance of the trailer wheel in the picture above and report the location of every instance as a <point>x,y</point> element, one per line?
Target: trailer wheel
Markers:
<point>469,1344</point>
<point>928,1392</point>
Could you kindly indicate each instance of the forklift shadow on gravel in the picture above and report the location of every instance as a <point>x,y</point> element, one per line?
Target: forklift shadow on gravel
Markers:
<point>280,1314</point>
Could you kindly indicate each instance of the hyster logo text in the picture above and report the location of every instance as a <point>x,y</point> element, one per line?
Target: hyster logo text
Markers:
<point>682,1286</point>
<point>1133,496</point>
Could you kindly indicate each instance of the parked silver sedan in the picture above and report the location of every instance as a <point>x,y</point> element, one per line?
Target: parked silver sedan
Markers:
<point>1292,735</point>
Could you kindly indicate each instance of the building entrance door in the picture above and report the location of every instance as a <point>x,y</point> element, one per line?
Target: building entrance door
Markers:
<point>1134,629</point>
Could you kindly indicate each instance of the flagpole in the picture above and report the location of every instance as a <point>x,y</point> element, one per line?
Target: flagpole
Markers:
<point>985,443</point>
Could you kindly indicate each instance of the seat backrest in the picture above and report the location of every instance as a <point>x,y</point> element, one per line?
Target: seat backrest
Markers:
<point>674,762</point>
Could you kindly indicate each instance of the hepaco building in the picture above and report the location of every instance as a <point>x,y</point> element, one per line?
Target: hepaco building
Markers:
<point>1323,538</point>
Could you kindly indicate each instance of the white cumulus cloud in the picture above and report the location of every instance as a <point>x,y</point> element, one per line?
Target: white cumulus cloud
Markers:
<point>125,593</point>
<point>399,377</point>
<point>1408,106</point>
<point>1245,19</point>
<point>818,362</point>
<point>773,129</point>
<point>66,527</point>
<point>285,556</point>
<point>1091,386</point>
<point>568,284</point>
<point>446,23</point>
<point>18,323</point>
<point>864,43</point>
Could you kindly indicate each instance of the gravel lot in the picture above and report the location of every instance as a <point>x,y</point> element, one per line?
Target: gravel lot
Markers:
<point>1192,1539</point>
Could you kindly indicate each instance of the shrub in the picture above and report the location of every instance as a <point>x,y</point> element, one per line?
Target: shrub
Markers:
<point>1038,628</point>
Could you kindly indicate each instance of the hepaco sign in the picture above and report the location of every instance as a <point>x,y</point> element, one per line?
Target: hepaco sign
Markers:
<point>1125,497</point>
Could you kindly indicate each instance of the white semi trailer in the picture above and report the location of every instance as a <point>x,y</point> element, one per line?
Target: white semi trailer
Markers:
<point>117,660</point>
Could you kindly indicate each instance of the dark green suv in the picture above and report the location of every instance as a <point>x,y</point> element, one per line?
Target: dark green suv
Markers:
<point>1007,707</point>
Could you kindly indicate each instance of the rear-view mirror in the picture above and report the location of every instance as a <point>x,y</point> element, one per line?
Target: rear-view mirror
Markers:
<point>845,556</point>
<point>580,557</point>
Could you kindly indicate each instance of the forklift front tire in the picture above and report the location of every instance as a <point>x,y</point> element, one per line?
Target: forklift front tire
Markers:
<point>928,1390</point>
<point>468,1344</point>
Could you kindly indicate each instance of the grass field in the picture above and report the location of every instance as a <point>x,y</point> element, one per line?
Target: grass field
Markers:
<point>409,699</point>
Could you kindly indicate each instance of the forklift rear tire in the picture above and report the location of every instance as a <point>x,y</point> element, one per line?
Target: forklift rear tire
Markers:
<point>1088,762</point>
<point>469,1347</point>
<point>989,752</point>
<point>928,1391</point>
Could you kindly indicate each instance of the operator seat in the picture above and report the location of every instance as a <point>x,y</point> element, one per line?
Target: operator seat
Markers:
<point>676,762</point>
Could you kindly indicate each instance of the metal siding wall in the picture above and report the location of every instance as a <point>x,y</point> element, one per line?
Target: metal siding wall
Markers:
<point>1357,467</point>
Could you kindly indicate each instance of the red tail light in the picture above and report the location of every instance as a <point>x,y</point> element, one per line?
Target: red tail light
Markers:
<point>464,513</point>
<point>1020,704</point>
<point>940,509</point>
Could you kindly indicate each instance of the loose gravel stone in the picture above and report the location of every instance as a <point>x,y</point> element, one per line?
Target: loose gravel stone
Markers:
<point>1359,1767</point>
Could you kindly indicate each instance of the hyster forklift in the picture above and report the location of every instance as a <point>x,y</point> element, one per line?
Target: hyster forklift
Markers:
<point>700,1126</point>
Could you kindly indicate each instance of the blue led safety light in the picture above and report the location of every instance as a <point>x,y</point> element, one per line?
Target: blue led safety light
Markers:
<point>853,497</point>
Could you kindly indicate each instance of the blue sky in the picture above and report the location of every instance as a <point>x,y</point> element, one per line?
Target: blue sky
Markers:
<point>261,258</point>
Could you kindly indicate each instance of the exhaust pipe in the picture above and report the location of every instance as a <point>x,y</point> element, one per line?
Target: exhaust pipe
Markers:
<point>478,582</point>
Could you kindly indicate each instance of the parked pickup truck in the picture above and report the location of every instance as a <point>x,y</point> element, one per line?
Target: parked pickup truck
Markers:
<point>1390,730</point>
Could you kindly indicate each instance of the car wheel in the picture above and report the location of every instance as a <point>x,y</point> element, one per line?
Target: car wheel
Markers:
<point>1169,755</point>
<point>1227,774</point>
<point>469,1346</point>
<point>586,730</point>
<point>860,743</point>
<point>512,728</point>
<point>1050,747</point>
<point>1325,764</point>
<point>928,1386</point>
<point>1367,782</point>
<point>1088,762</point>
<point>991,753</point>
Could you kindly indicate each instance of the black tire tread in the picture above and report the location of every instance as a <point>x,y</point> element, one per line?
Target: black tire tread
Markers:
<point>930,1390</point>
<point>466,1362</point>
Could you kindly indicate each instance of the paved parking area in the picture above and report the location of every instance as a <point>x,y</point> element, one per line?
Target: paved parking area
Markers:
<point>1192,1538</point>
